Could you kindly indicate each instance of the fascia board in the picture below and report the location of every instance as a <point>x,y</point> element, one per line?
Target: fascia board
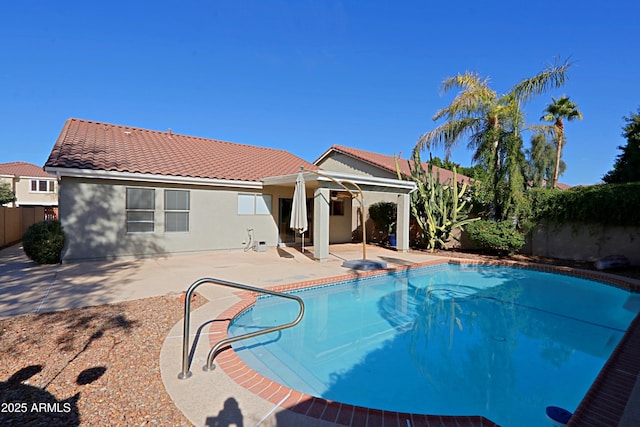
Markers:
<point>165,179</point>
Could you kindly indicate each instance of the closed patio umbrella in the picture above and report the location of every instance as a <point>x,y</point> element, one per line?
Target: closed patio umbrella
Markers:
<point>299,221</point>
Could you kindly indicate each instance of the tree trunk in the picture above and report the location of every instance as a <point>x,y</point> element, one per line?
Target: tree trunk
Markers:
<point>560,135</point>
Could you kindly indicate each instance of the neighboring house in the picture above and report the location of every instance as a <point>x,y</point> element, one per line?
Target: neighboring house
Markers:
<point>127,191</point>
<point>31,184</point>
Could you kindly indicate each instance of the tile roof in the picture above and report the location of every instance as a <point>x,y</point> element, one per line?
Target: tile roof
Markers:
<point>24,169</point>
<point>387,162</point>
<point>84,144</point>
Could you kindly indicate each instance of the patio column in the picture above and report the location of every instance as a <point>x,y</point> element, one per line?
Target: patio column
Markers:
<point>321,201</point>
<point>402,223</point>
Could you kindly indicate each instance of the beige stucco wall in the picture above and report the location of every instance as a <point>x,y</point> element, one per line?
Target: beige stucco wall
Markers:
<point>586,242</point>
<point>93,215</point>
<point>340,230</point>
<point>339,162</point>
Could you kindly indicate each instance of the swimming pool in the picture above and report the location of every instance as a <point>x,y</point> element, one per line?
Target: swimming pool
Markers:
<point>499,342</point>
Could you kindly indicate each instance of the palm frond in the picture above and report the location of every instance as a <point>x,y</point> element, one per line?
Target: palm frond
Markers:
<point>551,77</point>
<point>474,98</point>
<point>470,80</point>
<point>447,134</point>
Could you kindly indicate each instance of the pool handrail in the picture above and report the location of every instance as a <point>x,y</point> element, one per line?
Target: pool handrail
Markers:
<point>186,373</point>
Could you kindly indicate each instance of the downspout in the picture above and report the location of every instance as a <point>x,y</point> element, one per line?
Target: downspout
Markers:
<point>57,194</point>
<point>13,188</point>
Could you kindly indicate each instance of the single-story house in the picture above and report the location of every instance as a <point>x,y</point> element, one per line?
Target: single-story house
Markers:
<point>127,191</point>
<point>31,185</point>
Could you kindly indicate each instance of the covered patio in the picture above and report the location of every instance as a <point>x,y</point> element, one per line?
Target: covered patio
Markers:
<point>326,187</point>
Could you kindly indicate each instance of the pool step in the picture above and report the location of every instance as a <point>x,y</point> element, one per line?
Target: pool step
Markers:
<point>278,365</point>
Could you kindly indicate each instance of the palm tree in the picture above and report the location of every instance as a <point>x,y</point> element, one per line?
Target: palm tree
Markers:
<point>492,125</point>
<point>558,110</point>
<point>541,159</point>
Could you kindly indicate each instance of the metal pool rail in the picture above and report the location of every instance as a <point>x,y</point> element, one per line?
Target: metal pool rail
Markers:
<point>185,373</point>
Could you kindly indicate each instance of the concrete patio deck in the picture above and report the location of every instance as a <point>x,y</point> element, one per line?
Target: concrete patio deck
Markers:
<point>31,288</point>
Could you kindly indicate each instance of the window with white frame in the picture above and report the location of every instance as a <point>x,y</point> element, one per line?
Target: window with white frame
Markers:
<point>43,186</point>
<point>176,210</point>
<point>140,205</point>
<point>254,204</point>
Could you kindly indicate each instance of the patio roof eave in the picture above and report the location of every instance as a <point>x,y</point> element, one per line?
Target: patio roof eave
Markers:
<point>366,182</point>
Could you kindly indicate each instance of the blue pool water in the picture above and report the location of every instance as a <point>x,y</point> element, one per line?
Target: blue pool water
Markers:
<point>494,341</point>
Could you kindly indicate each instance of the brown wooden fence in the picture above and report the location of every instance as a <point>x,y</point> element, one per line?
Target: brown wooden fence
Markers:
<point>15,221</point>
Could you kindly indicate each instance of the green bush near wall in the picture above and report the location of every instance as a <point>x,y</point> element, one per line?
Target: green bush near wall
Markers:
<point>383,215</point>
<point>43,242</point>
<point>605,204</point>
<point>499,237</point>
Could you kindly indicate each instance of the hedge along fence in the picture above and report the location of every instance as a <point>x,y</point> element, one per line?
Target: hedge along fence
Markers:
<point>586,223</point>
<point>605,205</point>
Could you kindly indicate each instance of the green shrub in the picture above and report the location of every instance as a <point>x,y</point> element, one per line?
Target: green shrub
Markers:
<point>7,195</point>
<point>495,236</point>
<point>384,215</point>
<point>604,204</point>
<point>43,242</point>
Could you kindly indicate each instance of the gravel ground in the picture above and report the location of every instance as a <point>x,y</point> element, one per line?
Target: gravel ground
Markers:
<point>94,366</point>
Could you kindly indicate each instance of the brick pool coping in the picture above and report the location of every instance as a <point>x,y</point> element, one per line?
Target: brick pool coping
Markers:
<point>603,404</point>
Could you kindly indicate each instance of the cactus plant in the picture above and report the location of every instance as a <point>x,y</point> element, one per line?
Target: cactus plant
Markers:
<point>438,208</point>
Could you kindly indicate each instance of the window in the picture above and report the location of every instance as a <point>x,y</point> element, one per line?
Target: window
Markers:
<point>254,204</point>
<point>337,208</point>
<point>140,205</point>
<point>263,204</point>
<point>176,210</point>
<point>246,204</point>
<point>43,186</point>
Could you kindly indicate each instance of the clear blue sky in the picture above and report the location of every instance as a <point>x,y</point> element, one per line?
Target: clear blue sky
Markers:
<point>303,75</point>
